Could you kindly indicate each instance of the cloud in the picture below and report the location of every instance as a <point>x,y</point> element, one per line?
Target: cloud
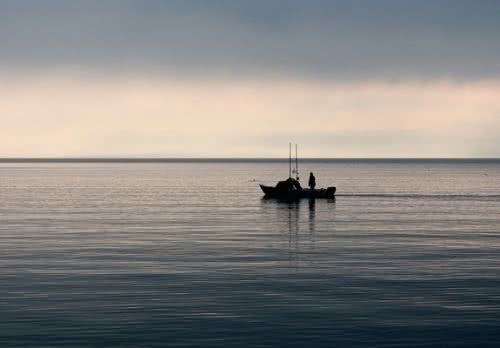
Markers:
<point>80,116</point>
<point>241,78</point>
<point>319,39</point>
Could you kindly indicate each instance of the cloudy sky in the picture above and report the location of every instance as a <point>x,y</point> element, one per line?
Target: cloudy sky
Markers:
<point>229,78</point>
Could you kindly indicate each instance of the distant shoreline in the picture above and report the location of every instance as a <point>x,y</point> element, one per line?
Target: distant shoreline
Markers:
<point>242,160</point>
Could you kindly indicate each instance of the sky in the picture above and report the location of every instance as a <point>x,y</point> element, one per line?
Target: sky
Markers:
<point>234,78</point>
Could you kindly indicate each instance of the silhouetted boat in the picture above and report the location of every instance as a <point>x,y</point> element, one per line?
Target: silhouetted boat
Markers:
<point>291,189</point>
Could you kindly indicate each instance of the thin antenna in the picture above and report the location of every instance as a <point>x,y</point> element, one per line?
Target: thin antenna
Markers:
<point>289,160</point>
<point>296,163</point>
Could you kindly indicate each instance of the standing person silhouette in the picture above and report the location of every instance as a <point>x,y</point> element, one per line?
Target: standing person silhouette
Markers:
<point>312,181</point>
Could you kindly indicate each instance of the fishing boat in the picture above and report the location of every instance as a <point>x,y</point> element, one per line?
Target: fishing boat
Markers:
<point>291,189</point>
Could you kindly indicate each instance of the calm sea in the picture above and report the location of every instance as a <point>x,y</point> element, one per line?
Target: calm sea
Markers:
<point>189,254</point>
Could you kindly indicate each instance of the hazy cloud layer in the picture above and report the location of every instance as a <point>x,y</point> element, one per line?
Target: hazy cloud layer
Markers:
<point>351,39</point>
<point>75,116</point>
<point>373,78</point>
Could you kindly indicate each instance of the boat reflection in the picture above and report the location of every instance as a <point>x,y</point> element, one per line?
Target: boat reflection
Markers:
<point>312,216</point>
<point>297,220</point>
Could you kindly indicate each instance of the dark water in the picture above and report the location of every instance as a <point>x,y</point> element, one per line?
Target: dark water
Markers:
<point>188,254</point>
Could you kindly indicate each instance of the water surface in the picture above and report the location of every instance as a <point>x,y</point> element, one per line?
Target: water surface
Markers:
<point>189,254</point>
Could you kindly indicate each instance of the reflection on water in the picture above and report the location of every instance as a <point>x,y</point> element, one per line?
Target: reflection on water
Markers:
<point>293,234</point>
<point>301,226</point>
<point>312,216</point>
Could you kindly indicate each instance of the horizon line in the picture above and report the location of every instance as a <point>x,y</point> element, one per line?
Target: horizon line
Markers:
<point>225,159</point>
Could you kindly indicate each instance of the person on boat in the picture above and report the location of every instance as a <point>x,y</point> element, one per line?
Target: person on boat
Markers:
<point>312,181</point>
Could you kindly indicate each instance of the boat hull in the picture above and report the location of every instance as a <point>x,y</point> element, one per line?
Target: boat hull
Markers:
<point>273,192</point>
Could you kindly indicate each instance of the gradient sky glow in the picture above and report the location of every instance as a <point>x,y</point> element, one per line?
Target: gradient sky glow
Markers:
<point>151,78</point>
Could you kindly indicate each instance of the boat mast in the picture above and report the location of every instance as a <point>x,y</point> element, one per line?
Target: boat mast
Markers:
<point>296,164</point>
<point>290,160</point>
